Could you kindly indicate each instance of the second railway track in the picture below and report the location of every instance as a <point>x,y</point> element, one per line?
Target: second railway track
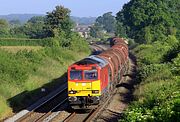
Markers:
<point>45,109</point>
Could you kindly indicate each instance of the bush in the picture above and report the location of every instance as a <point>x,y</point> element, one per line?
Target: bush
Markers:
<point>25,42</point>
<point>157,97</point>
<point>161,107</point>
<point>154,72</point>
<point>12,69</point>
<point>151,54</point>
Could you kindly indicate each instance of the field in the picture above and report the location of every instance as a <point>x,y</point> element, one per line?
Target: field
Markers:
<point>26,69</point>
<point>15,49</point>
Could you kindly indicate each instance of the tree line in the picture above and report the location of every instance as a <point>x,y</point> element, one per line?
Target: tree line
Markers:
<point>39,27</point>
<point>147,21</point>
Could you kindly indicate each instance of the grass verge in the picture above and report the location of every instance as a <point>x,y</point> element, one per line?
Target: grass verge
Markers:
<point>24,72</point>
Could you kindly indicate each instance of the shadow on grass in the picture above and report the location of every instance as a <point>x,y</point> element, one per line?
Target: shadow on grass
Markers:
<point>27,98</point>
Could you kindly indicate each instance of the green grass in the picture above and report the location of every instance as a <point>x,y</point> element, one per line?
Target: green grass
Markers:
<point>25,42</point>
<point>24,72</point>
<point>15,49</point>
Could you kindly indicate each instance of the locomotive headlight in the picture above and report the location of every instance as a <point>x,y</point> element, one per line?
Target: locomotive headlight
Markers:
<point>72,92</point>
<point>95,91</point>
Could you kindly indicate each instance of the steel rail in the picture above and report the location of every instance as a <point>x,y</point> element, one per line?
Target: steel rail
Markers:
<point>50,112</point>
<point>69,118</point>
<point>40,105</point>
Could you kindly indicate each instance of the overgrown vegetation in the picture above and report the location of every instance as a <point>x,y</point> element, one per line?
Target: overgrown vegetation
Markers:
<point>29,70</point>
<point>26,42</point>
<point>157,96</point>
<point>24,72</point>
<point>153,25</point>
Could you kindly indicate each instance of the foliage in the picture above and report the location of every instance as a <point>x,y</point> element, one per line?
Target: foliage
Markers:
<point>107,21</point>
<point>157,95</point>
<point>25,42</point>
<point>148,21</point>
<point>25,71</point>
<point>148,73</point>
<point>120,29</point>
<point>29,70</point>
<point>58,20</point>
<point>161,107</point>
<point>4,28</point>
<point>35,27</point>
<point>172,53</point>
<point>14,22</point>
<point>147,53</point>
<point>96,31</point>
<point>104,23</point>
<point>156,25</point>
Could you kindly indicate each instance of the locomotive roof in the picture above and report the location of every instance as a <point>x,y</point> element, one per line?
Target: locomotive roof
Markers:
<point>93,60</point>
<point>101,62</point>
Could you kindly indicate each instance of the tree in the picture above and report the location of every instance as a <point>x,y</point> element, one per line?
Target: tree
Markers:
<point>36,19</point>
<point>107,21</point>
<point>104,23</point>
<point>35,27</point>
<point>15,22</point>
<point>58,20</point>
<point>96,31</point>
<point>4,27</point>
<point>148,20</point>
<point>120,30</point>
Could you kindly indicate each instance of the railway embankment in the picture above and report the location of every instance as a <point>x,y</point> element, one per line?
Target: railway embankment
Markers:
<point>45,108</point>
<point>28,75</point>
<point>156,95</point>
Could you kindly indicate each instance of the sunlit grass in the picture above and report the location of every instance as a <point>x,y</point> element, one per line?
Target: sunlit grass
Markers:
<point>5,110</point>
<point>15,49</point>
<point>52,66</point>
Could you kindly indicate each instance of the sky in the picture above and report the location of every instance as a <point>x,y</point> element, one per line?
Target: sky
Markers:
<point>80,8</point>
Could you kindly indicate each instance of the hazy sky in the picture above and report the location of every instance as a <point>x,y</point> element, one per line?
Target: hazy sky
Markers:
<point>78,7</point>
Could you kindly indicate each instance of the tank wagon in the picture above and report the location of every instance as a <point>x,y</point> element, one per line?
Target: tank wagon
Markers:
<point>92,80</point>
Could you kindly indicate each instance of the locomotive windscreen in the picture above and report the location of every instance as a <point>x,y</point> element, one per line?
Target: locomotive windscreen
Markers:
<point>90,74</point>
<point>76,74</point>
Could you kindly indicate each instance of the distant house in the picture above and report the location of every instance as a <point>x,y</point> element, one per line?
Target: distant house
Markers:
<point>83,30</point>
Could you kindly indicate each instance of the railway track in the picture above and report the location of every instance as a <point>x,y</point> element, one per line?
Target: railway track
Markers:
<point>46,108</point>
<point>81,117</point>
<point>96,47</point>
<point>91,115</point>
<point>51,105</point>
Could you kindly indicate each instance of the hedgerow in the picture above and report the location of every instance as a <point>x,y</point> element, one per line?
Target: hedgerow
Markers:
<point>25,42</point>
<point>157,97</point>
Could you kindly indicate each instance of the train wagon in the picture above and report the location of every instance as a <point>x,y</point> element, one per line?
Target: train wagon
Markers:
<point>92,80</point>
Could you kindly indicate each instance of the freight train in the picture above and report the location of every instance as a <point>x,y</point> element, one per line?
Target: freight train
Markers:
<point>93,79</point>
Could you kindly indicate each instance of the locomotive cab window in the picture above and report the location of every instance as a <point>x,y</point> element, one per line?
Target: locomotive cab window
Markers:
<point>90,74</point>
<point>76,75</point>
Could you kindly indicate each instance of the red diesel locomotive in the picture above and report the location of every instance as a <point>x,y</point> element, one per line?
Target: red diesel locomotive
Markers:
<point>93,79</point>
